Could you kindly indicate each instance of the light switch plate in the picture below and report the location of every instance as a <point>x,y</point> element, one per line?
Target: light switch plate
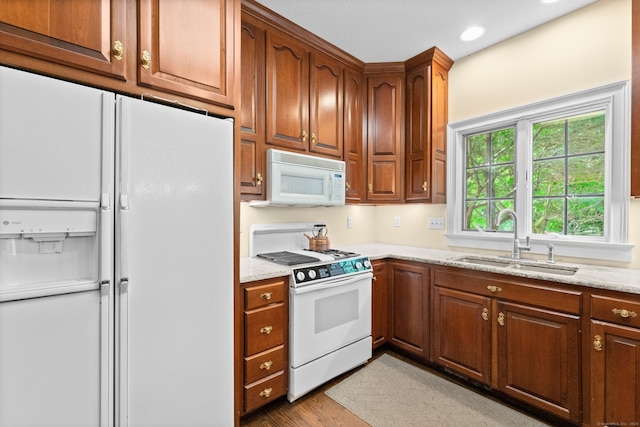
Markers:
<point>436,223</point>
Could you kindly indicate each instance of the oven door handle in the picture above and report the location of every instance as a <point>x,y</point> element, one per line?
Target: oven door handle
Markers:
<point>342,282</point>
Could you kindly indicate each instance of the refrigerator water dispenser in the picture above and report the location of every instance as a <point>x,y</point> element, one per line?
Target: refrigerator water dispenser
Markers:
<point>46,250</point>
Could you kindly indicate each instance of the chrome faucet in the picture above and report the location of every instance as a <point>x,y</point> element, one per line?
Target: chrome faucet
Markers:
<point>517,248</point>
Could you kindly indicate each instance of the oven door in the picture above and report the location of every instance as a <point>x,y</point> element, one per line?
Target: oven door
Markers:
<point>326,317</point>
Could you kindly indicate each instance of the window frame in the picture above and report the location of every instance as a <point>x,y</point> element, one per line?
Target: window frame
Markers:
<point>615,99</point>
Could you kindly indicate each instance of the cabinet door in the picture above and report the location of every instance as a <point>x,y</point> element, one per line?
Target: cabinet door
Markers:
<point>326,106</point>
<point>462,333</point>
<point>252,114</point>
<point>539,358</point>
<point>380,304</point>
<point>287,92</point>
<point>384,138</point>
<point>188,48</point>
<point>615,374</point>
<point>439,120</point>
<point>418,135</point>
<point>426,134</point>
<point>409,308</point>
<point>88,35</point>
<point>354,148</point>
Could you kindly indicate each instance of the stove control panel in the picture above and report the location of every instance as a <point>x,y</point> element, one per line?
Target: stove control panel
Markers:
<point>335,269</point>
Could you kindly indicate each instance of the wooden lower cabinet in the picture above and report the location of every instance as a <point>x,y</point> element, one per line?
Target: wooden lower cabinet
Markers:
<point>539,358</point>
<point>518,336</point>
<point>379,304</point>
<point>615,360</point>
<point>462,333</point>
<point>409,307</point>
<point>265,355</point>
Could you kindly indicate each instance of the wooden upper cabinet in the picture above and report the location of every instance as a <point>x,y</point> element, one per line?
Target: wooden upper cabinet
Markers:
<point>385,147</point>
<point>287,92</point>
<point>426,127</point>
<point>326,120</point>
<point>252,125</point>
<point>354,148</point>
<point>89,35</point>
<point>188,48</point>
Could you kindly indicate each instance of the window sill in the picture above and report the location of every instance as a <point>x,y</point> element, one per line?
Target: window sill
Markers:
<point>621,252</point>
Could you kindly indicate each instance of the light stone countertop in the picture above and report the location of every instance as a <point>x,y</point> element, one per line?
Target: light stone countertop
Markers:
<point>593,276</point>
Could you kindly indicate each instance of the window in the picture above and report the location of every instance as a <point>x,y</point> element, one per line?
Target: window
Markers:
<point>562,165</point>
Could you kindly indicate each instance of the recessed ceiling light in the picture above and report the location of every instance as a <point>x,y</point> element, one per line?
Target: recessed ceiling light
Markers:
<point>549,1</point>
<point>471,33</point>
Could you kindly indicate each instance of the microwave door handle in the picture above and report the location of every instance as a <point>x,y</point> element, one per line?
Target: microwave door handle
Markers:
<point>317,287</point>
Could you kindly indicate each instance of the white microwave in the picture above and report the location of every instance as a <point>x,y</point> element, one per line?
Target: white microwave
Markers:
<point>300,179</point>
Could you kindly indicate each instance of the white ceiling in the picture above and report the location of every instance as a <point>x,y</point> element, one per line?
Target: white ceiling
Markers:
<point>396,30</point>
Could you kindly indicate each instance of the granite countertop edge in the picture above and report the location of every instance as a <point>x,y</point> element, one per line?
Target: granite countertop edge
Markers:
<point>592,276</point>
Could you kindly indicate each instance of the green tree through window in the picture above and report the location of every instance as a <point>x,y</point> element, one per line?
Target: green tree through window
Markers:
<point>567,176</point>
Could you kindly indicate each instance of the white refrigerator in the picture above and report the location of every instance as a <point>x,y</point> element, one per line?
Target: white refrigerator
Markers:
<point>116,259</point>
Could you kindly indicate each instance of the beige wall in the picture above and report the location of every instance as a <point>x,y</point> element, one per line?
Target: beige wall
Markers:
<point>583,50</point>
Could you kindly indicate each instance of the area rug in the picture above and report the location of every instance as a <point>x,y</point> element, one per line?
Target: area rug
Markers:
<point>390,392</point>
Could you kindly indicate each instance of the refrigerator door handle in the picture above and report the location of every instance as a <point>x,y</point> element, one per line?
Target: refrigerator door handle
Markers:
<point>124,285</point>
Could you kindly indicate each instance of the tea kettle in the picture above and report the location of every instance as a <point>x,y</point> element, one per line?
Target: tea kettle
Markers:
<point>319,242</point>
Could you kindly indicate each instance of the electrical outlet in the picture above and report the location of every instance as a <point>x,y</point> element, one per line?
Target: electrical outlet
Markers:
<point>396,221</point>
<point>349,222</point>
<point>436,223</point>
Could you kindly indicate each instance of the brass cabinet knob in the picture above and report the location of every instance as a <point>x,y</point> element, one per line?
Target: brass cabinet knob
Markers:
<point>266,365</point>
<point>266,330</point>
<point>118,50</point>
<point>624,313</point>
<point>425,186</point>
<point>494,289</point>
<point>304,136</point>
<point>370,186</point>
<point>266,296</point>
<point>597,343</point>
<point>501,319</point>
<point>266,392</point>
<point>347,186</point>
<point>259,179</point>
<point>145,60</point>
<point>313,138</point>
<point>485,313</point>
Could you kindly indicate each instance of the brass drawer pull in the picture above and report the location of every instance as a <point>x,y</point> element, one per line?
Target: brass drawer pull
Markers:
<point>494,289</point>
<point>266,296</point>
<point>597,343</point>
<point>501,319</point>
<point>259,179</point>
<point>266,365</point>
<point>266,392</point>
<point>485,313</point>
<point>266,330</point>
<point>624,313</point>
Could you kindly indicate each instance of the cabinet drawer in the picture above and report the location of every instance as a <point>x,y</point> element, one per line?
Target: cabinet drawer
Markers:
<point>621,311</point>
<point>263,364</point>
<point>527,291</point>
<point>265,391</point>
<point>264,328</point>
<point>261,296</point>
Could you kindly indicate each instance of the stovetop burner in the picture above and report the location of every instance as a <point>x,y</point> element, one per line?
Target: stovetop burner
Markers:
<point>336,254</point>
<point>288,258</point>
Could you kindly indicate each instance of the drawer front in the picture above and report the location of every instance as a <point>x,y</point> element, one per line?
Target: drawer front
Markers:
<point>535,293</point>
<point>620,311</point>
<point>263,392</point>
<point>262,296</point>
<point>263,364</point>
<point>264,328</point>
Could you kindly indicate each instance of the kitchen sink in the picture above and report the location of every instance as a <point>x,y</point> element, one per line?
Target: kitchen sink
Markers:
<point>492,262</point>
<point>551,269</point>
<point>524,265</point>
